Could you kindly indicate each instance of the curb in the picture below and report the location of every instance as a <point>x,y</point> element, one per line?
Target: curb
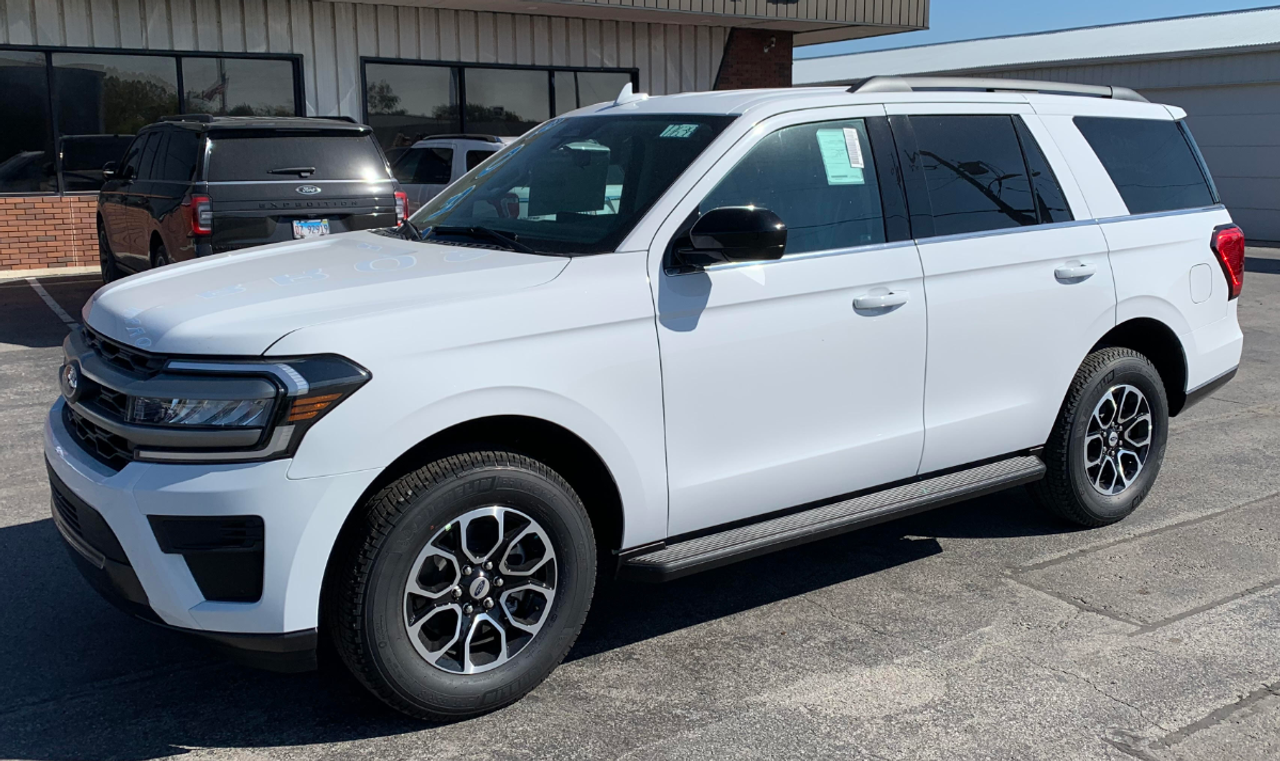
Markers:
<point>47,272</point>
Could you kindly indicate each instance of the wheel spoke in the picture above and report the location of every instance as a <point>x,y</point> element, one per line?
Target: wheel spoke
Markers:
<point>415,632</point>
<point>1143,423</point>
<point>523,566</point>
<point>480,533</point>
<point>525,614</point>
<point>469,665</point>
<point>437,565</point>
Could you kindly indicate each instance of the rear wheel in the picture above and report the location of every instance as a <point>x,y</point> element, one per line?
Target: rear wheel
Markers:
<point>1108,443</point>
<point>160,255</point>
<point>469,587</point>
<point>106,259</point>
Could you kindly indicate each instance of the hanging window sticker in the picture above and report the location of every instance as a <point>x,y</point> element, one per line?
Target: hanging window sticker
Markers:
<point>679,130</point>
<point>841,156</point>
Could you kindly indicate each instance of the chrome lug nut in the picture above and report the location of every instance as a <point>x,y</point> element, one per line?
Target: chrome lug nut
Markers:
<point>467,609</point>
<point>488,603</point>
<point>457,592</point>
<point>466,570</point>
<point>488,566</point>
<point>497,582</point>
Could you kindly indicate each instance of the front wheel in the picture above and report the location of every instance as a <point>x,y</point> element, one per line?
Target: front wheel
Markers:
<point>469,587</point>
<point>106,258</point>
<point>1108,442</point>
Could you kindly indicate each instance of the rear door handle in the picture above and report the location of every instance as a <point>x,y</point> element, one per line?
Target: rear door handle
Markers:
<point>881,300</point>
<point>1075,271</point>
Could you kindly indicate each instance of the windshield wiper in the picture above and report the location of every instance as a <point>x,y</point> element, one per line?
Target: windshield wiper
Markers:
<point>301,171</point>
<point>506,241</point>
<point>406,228</point>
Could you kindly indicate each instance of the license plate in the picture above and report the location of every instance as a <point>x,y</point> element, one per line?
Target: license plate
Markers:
<point>310,228</point>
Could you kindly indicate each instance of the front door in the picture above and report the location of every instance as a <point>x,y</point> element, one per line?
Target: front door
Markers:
<point>800,379</point>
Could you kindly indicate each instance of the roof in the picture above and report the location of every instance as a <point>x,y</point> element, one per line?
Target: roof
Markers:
<point>1183,35</point>
<point>205,122</point>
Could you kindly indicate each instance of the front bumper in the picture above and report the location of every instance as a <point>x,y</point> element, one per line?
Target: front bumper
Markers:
<point>301,520</point>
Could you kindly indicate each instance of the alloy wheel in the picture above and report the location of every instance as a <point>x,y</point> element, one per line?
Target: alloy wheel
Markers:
<point>1118,439</point>
<point>480,591</point>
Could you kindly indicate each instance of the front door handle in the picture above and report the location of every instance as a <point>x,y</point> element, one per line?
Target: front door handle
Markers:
<point>1075,271</point>
<point>887,300</point>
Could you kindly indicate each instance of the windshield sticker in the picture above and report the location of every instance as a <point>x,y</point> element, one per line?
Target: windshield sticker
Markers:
<point>679,130</point>
<point>843,168</point>
<point>853,144</point>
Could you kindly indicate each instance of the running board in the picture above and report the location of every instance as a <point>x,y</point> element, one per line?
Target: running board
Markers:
<point>714,550</point>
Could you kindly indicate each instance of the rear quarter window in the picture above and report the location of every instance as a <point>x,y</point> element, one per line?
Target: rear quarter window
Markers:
<point>1152,163</point>
<point>250,155</point>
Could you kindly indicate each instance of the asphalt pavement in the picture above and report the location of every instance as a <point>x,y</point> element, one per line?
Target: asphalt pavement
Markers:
<point>982,630</point>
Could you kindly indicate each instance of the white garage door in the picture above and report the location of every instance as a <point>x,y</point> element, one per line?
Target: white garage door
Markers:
<point>1238,129</point>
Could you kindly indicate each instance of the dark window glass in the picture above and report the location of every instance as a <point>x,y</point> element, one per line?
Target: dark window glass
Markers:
<point>506,101</point>
<point>578,185</point>
<point>424,166</point>
<point>238,86</point>
<point>475,157</point>
<point>1150,161</point>
<point>405,103</point>
<point>129,162</point>
<point>975,174</point>
<point>250,155</point>
<point>176,161</point>
<point>153,146</point>
<point>83,157</point>
<point>566,91</point>
<point>26,132</point>
<point>819,178</point>
<point>1051,203</point>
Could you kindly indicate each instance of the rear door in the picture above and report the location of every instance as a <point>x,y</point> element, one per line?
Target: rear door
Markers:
<point>136,210</point>
<point>113,198</point>
<point>270,186</point>
<point>1018,291</point>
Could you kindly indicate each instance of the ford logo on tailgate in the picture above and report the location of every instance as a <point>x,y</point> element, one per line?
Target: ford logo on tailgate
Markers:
<point>307,190</point>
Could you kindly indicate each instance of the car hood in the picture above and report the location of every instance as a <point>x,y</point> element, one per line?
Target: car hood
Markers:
<point>241,303</point>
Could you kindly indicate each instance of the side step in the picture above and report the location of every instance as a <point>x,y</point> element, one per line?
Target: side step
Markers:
<point>714,550</point>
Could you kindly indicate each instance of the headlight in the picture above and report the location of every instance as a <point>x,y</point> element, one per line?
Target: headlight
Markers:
<point>245,413</point>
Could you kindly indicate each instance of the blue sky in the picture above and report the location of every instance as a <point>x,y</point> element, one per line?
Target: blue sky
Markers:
<point>952,20</point>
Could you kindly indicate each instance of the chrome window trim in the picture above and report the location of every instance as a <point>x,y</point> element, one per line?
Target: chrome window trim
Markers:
<point>823,254</point>
<point>1067,225</point>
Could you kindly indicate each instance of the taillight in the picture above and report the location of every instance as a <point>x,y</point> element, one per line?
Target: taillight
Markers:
<point>1228,246</point>
<point>201,215</point>
<point>402,206</point>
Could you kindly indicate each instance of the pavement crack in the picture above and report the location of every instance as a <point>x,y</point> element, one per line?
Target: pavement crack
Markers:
<point>1089,682</point>
<point>1218,716</point>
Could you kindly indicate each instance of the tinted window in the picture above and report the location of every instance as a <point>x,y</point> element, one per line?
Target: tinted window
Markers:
<point>424,166</point>
<point>1051,202</point>
<point>819,178</point>
<point>238,87</point>
<point>405,103</point>
<point>576,185</point>
<point>129,164</point>
<point>506,101</point>
<point>475,157</point>
<point>1151,163</point>
<point>974,172</point>
<point>150,148</point>
<point>176,161</point>
<point>249,155</point>
<point>26,155</point>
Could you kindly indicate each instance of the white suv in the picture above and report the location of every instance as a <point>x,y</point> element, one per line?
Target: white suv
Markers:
<point>429,165</point>
<point>805,311</point>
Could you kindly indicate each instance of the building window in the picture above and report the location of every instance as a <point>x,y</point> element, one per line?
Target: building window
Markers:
<point>405,101</point>
<point>66,113</point>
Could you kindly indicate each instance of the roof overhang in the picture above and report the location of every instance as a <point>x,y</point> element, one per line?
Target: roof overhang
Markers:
<point>810,21</point>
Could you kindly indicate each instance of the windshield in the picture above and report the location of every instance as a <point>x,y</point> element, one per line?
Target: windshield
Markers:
<point>575,185</point>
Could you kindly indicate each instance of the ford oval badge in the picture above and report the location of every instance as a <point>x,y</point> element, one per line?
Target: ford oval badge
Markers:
<point>307,190</point>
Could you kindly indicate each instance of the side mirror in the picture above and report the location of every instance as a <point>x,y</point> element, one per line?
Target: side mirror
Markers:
<point>109,170</point>
<point>735,234</point>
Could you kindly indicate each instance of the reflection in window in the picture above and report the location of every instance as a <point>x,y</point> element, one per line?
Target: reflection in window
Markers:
<point>506,101</point>
<point>405,103</point>
<point>26,163</point>
<point>585,88</point>
<point>238,86</point>
<point>424,166</point>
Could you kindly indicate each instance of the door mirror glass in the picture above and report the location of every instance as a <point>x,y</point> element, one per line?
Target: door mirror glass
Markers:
<point>736,234</point>
<point>109,170</point>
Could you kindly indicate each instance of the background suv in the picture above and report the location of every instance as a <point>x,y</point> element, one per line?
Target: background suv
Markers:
<point>649,337</point>
<point>196,185</point>
<point>429,165</point>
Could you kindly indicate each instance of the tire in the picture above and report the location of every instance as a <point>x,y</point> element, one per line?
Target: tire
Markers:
<point>107,259</point>
<point>408,530</point>
<point>1084,483</point>
<point>160,256</point>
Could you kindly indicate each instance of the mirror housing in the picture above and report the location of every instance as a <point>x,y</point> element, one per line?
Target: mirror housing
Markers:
<point>735,234</point>
<point>109,170</point>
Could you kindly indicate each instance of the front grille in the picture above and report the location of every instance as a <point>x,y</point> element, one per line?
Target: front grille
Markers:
<point>123,357</point>
<point>105,447</point>
<point>112,402</point>
<point>68,513</point>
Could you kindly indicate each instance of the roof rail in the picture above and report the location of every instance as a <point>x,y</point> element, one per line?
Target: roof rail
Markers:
<point>991,84</point>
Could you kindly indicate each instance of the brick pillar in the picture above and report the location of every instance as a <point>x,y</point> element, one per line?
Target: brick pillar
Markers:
<point>48,231</point>
<point>755,58</point>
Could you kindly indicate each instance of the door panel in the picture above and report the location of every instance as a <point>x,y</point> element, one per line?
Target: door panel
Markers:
<point>778,390</point>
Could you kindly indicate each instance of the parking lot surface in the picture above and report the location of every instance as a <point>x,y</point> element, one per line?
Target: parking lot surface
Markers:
<point>982,630</point>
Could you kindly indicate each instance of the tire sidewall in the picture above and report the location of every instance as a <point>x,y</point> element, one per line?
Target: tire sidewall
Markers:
<point>1122,371</point>
<point>391,650</point>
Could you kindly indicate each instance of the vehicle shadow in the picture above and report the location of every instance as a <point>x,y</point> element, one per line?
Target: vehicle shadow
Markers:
<point>83,681</point>
<point>1264,266</point>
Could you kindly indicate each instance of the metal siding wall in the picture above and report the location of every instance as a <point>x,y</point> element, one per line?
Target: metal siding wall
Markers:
<point>332,36</point>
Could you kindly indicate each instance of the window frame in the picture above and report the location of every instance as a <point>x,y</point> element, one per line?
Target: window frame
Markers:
<point>460,69</point>
<point>176,56</point>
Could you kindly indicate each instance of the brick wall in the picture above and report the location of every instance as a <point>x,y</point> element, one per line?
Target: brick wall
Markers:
<point>755,58</point>
<point>48,231</point>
